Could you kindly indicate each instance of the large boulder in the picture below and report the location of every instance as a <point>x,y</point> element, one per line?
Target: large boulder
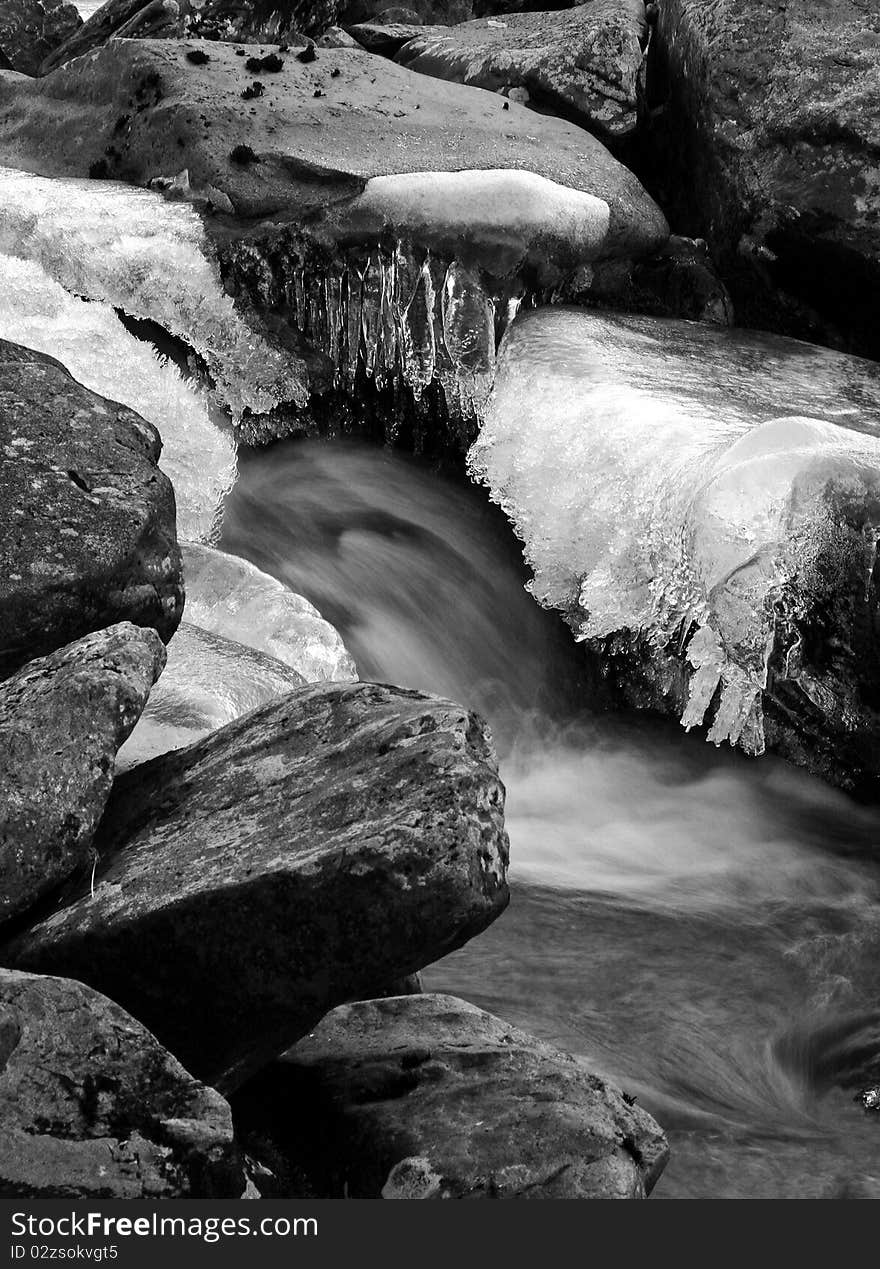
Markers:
<point>208,681</point>
<point>62,719</point>
<point>384,222</point>
<point>430,1097</point>
<point>31,29</point>
<point>703,505</point>
<point>583,62</point>
<point>320,135</point>
<point>87,533</point>
<point>768,146</point>
<point>307,853</point>
<point>92,1106</point>
<point>231,597</point>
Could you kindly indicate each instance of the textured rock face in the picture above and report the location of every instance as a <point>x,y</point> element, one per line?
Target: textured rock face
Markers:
<point>209,681</point>
<point>31,29</point>
<point>583,61</point>
<point>307,853</point>
<point>62,719</point>
<point>429,1097</point>
<point>91,1105</point>
<point>260,21</point>
<point>772,115</point>
<point>87,534</point>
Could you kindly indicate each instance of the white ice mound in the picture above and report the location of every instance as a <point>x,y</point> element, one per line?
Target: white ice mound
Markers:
<point>91,342</point>
<point>133,250</point>
<point>520,209</point>
<point>678,483</point>
<point>231,597</point>
<point>208,681</point>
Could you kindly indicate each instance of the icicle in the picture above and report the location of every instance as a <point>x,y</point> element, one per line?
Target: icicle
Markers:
<point>418,351</point>
<point>390,301</point>
<point>354,286</point>
<point>299,294</point>
<point>371,313</point>
<point>469,335</point>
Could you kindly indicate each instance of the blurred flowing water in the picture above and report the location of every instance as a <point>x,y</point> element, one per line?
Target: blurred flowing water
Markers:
<point>704,928</point>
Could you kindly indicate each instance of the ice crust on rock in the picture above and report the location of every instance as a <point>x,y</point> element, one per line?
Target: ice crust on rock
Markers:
<point>678,484</point>
<point>528,216</point>
<point>133,250</point>
<point>208,681</point>
<point>91,342</point>
<point>231,597</point>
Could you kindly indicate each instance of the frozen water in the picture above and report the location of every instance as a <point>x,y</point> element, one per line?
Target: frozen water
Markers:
<point>89,339</point>
<point>208,681</point>
<point>133,250</point>
<point>528,214</point>
<point>231,597</point>
<point>679,483</point>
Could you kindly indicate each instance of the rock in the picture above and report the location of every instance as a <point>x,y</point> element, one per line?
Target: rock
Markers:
<point>703,505</point>
<point>231,597</point>
<point>387,38</point>
<point>62,719</point>
<point>209,681</point>
<point>582,63</point>
<point>317,157</point>
<point>430,1097</point>
<point>31,29</point>
<point>258,21</point>
<point>680,280</point>
<point>92,1106</point>
<point>384,228</point>
<point>335,37</point>
<point>87,533</point>
<point>767,145</point>
<point>305,854</point>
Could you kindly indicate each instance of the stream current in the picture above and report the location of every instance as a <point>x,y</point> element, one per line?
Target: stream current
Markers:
<point>704,928</point>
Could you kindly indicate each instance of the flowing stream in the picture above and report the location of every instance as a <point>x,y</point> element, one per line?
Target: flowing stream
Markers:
<point>703,927</point>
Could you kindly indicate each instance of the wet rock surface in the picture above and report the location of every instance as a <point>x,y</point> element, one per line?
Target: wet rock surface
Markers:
<point>582,63</point>
<point>62,720</point>
<point>307,853</point>
<point>769,129</point>
<point>87,533</point>
<point>31,29</point>
<point>429,1097</point>
<point>92,1106</point>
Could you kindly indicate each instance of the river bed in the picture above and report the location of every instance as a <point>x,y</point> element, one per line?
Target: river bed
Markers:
<point>702,927</point>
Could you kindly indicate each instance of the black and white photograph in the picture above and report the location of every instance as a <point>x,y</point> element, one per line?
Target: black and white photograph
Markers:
<point>439,614</point>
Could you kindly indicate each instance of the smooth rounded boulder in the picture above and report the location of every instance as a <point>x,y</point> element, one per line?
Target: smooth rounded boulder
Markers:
<point>87,525</point>
<point>92,1106</point>
<point>62,720</point>
<point>310,852</point>
<point>429,1097</point>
